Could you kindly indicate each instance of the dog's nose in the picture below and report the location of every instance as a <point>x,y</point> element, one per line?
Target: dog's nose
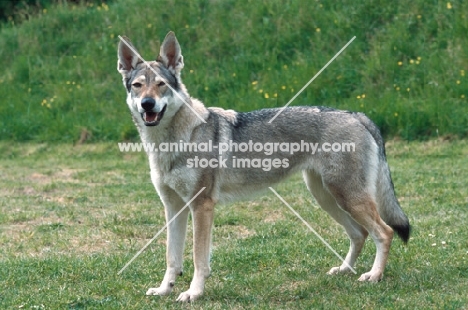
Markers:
<point>148,103</point>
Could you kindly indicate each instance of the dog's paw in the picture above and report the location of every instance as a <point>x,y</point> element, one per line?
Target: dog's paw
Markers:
<point>371,277</point>
<point>160,291</point>
<point>339,270</point>
<point>189,296</point>
<point>334,270</point>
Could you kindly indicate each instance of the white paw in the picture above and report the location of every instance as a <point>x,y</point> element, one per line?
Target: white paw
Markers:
<point>189,296</point>
<point>338,270</point>
<point>160,291</point>
<point>334,270</point>
<point>371,277</point>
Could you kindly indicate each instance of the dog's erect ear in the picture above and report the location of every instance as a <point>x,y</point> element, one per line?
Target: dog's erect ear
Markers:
<point>127,58</point>
<point>170,55</point>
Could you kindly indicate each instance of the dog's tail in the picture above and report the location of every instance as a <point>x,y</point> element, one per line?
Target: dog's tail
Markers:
<point>389,208</point>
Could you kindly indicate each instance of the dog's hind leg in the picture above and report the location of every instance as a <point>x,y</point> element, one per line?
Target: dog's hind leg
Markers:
<point>361,206</point>
<point>202,215</point>
<point>176,232</point>
<point>356,233</point>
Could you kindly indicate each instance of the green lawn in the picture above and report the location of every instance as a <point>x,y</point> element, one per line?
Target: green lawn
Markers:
<point>72,216</point>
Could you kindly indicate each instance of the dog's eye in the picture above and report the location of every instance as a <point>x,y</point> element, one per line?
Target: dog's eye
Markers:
<point>161,84</point>
<point>136,85</point>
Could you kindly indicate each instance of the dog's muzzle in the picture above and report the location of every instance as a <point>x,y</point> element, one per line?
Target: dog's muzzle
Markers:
<point>151,117</point>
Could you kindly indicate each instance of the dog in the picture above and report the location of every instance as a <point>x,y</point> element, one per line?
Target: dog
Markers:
<point>354,186</point>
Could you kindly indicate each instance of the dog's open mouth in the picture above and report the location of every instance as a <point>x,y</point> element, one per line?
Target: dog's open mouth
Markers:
<point>153,118</point>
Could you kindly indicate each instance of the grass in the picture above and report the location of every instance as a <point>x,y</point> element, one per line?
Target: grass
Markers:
<point>72,216</point>
<point>406,68</point>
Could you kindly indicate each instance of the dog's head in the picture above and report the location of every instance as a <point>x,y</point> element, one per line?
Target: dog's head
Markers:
<point>151,85</point>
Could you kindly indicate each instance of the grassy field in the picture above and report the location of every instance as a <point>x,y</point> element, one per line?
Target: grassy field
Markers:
<point>406,68</point>
<point>72,216</point>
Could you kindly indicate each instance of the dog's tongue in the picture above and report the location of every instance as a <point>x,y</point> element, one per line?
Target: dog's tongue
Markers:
<point>150,116</point>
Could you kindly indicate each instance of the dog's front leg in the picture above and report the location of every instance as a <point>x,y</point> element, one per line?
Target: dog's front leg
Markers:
<point>202,213</point>
<point>176,232</point>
